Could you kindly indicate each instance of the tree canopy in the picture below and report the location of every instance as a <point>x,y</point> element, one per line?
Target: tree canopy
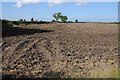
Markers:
<point>58,16</point>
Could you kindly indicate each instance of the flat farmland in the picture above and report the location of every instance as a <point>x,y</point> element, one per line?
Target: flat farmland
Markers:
<point>61,50</point>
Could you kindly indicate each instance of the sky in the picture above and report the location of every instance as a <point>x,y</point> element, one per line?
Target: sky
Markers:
<point>83,11</point>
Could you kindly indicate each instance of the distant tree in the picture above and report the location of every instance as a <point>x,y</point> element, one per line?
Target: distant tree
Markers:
<point>32,19</point>
<point>76,21</point>
<point>24,20</point>
<point>21,20</point>
<point>64,18</point>
<point>53,21</point>
<point>59,16</point>
<point>41,21</point>
<point>55,16</point>
<point>6,23</point>
<point>36,20</point>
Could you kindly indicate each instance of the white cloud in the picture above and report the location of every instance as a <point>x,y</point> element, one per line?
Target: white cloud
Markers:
<point>56,2</point>
<point>20,3</point>
<point>81,3</point>
<point>69,0</point>
<point>30,1</point>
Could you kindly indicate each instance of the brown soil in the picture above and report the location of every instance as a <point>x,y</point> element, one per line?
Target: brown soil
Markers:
<point>60,50</point>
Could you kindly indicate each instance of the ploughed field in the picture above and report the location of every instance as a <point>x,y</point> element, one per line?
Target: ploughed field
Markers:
<point>77,50</point>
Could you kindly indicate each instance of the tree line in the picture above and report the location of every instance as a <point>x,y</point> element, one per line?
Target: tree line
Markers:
<point>58,17</point>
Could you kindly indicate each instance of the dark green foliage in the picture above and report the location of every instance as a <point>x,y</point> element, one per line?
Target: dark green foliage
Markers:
<point>32,19</point>
<point>53,21</point>
<point>76,21</point>
<point>21,20</point>
<point>55,15</point>
<point>24,20</point>
<point>16,22</point>
<point>64,18</point>
<point>58,16</point>
<point>6,23</point>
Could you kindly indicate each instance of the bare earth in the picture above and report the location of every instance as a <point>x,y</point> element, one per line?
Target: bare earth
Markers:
<point>77,50</point>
